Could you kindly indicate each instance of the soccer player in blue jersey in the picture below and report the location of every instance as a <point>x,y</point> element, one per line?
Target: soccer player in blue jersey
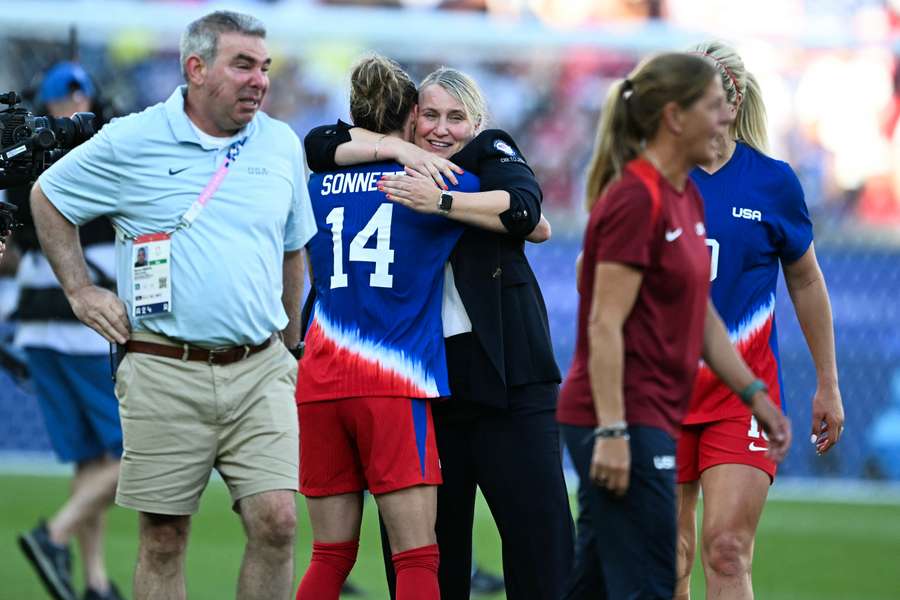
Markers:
<point>374,356</point>
<point>756,220</point>
<point>497,431</point>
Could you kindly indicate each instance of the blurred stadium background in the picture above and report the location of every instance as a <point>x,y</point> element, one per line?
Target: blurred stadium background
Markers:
<point>830,73</point>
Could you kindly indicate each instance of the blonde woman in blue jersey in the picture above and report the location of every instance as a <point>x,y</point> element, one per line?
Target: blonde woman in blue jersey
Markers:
<point>756,221</point>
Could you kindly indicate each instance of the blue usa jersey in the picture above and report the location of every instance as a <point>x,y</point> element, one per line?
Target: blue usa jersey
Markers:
<point>378,272</point>
<point>756,217</point>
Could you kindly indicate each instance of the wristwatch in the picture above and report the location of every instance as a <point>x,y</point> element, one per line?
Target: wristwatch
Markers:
<point>445,203</point>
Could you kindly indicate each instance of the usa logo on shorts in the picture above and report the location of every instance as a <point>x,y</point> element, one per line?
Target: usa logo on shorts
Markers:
<point>504,148</point>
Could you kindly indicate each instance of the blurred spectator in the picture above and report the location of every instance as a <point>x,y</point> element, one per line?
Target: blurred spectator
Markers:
<point>550,101</point>
<point>69,364</point>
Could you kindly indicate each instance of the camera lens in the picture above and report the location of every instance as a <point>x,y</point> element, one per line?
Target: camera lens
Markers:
<point>71,132</point>
<point>84,126</point>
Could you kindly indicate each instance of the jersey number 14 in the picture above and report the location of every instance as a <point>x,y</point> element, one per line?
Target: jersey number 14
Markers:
<point>382,255</point>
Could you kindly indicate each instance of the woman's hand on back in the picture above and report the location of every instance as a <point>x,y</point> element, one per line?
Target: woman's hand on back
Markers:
<point>413,190</point>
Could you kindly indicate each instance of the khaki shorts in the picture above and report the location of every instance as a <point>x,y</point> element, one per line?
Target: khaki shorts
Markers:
<point>182,419</point>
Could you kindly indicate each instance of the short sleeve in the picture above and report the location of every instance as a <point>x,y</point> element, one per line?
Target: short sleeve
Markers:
<point>321,145</point>
<point>794,227</point>
<point>624,231</point>
<point>301,223</point>
<point>84,184</point>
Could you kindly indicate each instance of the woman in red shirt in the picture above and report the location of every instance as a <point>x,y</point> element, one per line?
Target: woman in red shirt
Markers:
<point>644,321</point>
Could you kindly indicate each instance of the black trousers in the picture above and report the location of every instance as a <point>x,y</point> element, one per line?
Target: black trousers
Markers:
<point>626,546</point>
<point>513,455</point>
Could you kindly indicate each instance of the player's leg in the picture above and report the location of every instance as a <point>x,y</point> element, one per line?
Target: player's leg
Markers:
<point>332,480</point>
<point>409,517</point>
<point>586,579</point>
<point>733,499</point>
<point>335,524</point>
<point>455,515</point>
<point>520,473</point>
<point>398,452</point>
<point>161,551</point>
<point>735,480</point>
<point>687,494</point>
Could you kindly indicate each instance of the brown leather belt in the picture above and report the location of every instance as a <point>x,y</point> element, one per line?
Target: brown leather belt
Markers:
<point>216,356</point>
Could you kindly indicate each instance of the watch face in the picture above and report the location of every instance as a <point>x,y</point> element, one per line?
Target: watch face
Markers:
<point>446,201</point>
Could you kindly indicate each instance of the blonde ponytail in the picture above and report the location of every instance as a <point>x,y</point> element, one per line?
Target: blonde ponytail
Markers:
<point>750,124</point>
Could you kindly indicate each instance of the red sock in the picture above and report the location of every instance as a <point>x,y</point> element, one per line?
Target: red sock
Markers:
<point>328,568</point>
<point>417,573</point>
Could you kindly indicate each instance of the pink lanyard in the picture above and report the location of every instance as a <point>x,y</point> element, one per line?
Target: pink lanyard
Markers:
<point>194,211</point>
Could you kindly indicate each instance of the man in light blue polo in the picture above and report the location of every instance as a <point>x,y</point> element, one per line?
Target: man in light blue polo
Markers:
<point>211,192</point>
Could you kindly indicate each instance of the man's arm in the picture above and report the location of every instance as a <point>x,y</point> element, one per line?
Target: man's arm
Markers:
<point>96,307</point>
<point>292,276</point>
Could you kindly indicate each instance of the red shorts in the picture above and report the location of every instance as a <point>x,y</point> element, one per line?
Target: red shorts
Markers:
<point>734,441</point>
<point>351,444</point>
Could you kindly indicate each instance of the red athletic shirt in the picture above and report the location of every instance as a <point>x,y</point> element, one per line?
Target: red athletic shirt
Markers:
<point>644,222</point>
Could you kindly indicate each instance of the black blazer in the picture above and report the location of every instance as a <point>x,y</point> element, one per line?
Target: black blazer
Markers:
<point>495,282</point>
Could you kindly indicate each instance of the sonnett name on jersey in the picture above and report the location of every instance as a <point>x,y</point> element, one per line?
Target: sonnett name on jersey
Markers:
<point>353,183</point>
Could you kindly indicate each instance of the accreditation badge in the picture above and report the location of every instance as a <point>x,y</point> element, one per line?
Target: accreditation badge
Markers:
<point>151,281</point>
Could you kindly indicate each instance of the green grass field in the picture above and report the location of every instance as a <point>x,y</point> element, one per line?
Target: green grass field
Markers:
<point>811,551</point>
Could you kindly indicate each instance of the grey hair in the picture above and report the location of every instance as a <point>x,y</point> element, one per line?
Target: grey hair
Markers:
<point>464,89</point>
<point>201,37</point>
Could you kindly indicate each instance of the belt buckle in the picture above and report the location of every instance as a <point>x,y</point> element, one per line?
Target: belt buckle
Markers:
<point>213,352</point>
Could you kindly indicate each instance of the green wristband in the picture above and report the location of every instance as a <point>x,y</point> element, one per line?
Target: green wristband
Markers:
<point>748,392</point>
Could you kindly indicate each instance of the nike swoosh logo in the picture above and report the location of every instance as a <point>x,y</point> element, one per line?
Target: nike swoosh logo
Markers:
<point>673,235</point>
<point>177,171</point>
<point>754,448</point>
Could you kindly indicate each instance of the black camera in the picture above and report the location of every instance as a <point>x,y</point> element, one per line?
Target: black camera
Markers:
<point>29,143</point>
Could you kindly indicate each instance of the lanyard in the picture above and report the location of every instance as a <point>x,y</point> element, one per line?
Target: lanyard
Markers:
<point>194,211</point>
<point>200,203</point>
